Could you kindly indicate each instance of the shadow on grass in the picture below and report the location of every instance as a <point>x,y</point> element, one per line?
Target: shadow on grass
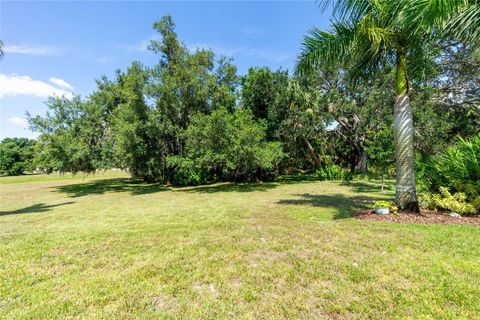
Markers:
<point>137,187</point>
<point>110,185</point>
<point>363,186</point>
<point>343,204</point>
<point>252,186</point>
<point>39,207</point>
<point>232,187</point>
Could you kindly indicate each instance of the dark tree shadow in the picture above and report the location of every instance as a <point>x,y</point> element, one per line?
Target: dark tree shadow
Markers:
<point>252,186</point>
<point>296,178</point>
<point>343,204</point>
<point>232,187</point>
<point>111,185</point>
<point>39,207</point>
<point>138,187</point>
<point>361,186</point>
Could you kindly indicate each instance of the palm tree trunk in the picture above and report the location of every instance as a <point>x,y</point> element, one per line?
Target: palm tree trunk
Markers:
<point>406,194</point>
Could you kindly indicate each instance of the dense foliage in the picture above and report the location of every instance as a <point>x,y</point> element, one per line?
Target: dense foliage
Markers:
<point>16,156</point>
<point>225,146</point>
<point>451,178</point>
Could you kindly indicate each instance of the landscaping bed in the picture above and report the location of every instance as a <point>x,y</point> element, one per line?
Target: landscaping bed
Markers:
<point>425,217</point>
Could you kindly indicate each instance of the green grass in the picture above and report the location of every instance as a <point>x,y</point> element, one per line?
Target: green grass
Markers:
<point>105,247</point>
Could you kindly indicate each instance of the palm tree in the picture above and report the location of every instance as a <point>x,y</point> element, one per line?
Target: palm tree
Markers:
<point>367,35</point>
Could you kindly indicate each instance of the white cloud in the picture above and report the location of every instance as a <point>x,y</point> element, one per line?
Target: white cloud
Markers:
<point>252,32</point>
<point>61,83</point>
<point>33,50</point>
<point>141,46</point>
<point>244,51</point>
<point>13,85</point>
<point>21,122</point>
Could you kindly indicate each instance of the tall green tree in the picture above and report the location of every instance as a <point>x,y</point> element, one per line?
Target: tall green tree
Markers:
<point>264,93</point>
<point>133,133</point>
<point>185,82</point>
<point>365,36</point>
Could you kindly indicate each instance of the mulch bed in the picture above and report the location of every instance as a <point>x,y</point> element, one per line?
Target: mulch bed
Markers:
<point>425,217</point>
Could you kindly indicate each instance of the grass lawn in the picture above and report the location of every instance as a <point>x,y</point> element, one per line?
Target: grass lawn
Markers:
<point>103,247</point>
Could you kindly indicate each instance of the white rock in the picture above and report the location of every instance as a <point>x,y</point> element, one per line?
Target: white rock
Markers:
<point>454,215</point>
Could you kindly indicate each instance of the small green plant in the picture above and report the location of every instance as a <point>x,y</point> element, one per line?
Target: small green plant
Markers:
<point>476,203</point>
<point>382,204</point>
<point>332,172</point>
<point>393,209</point>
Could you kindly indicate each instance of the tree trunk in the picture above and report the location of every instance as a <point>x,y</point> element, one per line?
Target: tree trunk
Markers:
<point>361,166</point>
<point>383,181</point>
<point>406,195</point>
<point>312,152</point>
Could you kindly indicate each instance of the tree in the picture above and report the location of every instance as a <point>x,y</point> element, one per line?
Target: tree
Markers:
<point>380,151</point>
<point>230,147</point>
<point>135,140</point>
<point>301,128</point>
<point>366,36</point>
<point>71,136</point>
<point>264,92</point>
<point>184,83</point>
<point>355,111</point>
<point>16,156</point>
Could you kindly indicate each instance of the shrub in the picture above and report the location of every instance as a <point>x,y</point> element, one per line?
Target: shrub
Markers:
<point>447,201</point>
<point>226,146</point>
<point>183,171</point>
<point>457,168</point>
<point>333,172</point>
<point>451,179</point>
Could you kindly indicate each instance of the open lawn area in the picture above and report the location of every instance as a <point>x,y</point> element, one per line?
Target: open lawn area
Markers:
<point>104,247</point>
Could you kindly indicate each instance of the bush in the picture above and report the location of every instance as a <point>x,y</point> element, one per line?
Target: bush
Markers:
<point>459,166</point>
<point>183,171</point>
<point>446,201</point>
<point>333,172</point>
<point>226,146</point>
<point>455,171</point>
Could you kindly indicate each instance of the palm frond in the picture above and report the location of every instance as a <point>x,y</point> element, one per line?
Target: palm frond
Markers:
<point>423,16</point>
<point>374,36</point>
<point>324,48</point>
<point>465,24</point>
<point>359,46</point>
<point>348,9</point>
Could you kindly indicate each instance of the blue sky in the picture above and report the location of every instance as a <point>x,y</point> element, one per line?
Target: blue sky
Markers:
<point>62,47</point>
